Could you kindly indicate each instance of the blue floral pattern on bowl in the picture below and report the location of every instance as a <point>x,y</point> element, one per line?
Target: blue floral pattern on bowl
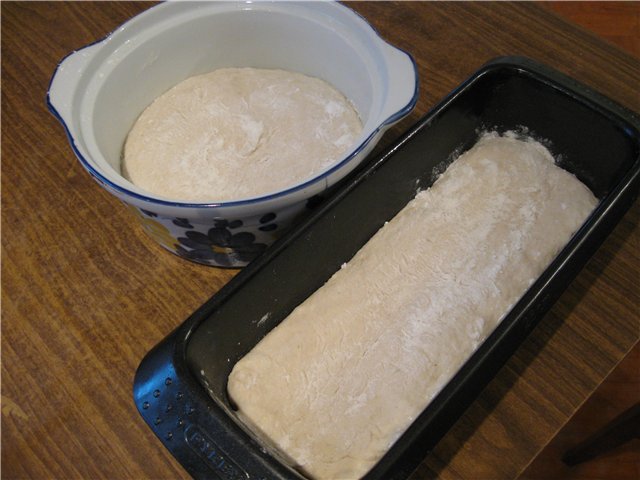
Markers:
<point>221,243</point>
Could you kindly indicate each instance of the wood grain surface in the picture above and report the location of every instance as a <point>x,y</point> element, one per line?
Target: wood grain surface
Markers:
<point>619,392</point>
<point>85,294</point>
<point>616,22</point>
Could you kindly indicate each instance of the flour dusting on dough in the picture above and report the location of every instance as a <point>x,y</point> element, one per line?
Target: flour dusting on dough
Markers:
<point>339,380</point>
<point>237,133</point>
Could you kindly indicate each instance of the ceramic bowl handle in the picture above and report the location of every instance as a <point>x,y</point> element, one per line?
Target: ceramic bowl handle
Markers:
<point>68,79</point>
<point>403,84</point>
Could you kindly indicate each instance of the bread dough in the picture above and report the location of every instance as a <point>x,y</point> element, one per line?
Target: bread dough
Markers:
<point>237,133</point>
<point>339,380</point>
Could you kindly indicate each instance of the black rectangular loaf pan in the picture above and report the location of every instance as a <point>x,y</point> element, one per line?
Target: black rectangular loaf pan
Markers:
<point>180,386</point>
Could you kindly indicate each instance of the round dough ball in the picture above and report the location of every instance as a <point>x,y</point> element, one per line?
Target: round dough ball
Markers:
<point>237,133</point>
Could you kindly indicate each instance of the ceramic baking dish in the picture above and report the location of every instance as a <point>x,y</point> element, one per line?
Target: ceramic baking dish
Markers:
<point>180,387</point>
<point>172,41</point>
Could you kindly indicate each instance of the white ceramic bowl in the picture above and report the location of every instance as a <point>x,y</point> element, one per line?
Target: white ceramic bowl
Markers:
<point>99,91</point>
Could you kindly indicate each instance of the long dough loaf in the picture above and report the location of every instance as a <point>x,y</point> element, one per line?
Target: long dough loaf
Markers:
<point>336,383</point>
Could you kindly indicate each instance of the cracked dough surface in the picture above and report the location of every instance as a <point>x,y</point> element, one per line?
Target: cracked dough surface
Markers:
<point>339,380</point>
<point>238,133</point>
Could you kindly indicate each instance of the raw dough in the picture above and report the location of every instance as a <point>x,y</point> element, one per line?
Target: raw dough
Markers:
<point>336,383</point>
<point>237,133</point>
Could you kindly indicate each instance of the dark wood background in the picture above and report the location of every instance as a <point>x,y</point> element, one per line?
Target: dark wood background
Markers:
<point>85,294</point>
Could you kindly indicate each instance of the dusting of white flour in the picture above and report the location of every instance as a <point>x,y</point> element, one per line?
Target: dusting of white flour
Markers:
<point>237,133</point>
<point>336,383</point>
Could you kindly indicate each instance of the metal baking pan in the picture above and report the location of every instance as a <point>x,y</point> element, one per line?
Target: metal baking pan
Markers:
<point>180,386</point>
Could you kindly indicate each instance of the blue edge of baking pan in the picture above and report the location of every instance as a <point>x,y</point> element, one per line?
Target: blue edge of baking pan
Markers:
<point>180,386</point>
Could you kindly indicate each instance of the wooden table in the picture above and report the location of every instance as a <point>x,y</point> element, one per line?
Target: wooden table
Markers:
<point>85,294</point>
